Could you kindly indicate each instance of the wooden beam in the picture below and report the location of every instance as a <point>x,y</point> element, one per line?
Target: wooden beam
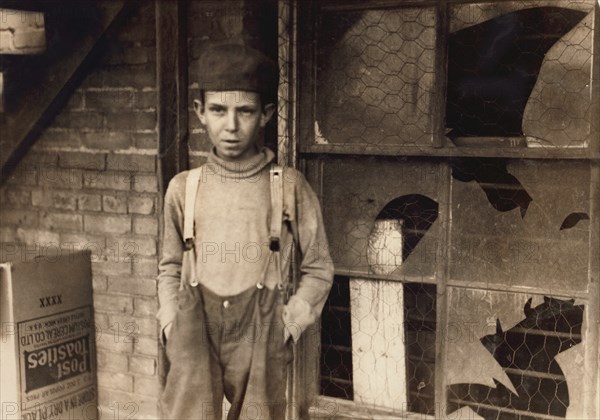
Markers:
<point>172,80</point>
<point>50,79</point>
<point>172,83</point>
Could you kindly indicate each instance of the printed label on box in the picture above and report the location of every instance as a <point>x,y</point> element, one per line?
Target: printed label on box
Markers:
<point>56,363</point>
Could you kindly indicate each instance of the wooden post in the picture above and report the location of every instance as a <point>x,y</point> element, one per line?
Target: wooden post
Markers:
<point>378,355</point>
<point>172,81</point>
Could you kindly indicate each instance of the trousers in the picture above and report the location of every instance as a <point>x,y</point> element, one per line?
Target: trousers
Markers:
<point>228,346</point>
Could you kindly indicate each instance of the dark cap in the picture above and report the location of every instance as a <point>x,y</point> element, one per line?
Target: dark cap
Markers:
<point>224,67</point>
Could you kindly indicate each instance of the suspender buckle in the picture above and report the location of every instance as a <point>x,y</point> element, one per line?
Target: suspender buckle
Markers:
<point>189,244</point>
<point>274,244</point>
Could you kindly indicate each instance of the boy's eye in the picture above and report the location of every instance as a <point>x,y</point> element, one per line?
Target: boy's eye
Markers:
<point>216,109</point>
<point>247,111</point>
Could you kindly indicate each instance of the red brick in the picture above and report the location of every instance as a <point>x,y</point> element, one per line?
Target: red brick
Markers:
<point>133,248</point>
<point>132,286</point>
<point>146,100</point>
<point>34,40</point>
<point>145,226</point>
<point>115,341</point>
<point>114,204</point>
<point>131,163</point>
<point>129,55</point>
<point>145,183</point>
<point>145,307</point>
<point>146,386</point>
<point>95,243</point>
<point>112,99</point>
<point>145,14</point>
<point>79,119</point>
<point>145,140</point>
<point>111,362</point>
<point>60,138</point>
<point>106,141</point>
<point>52,177</point>
<point>142,365</point>
<point>15,197</point>
<point>131,121</point>
<point>75,101</point>
<point>134,327</point>
<point>43,159</point>
<point>18,218</point>
<point>90,161</point>
<point>8,235</point>
<point>62,221</point>
<point>115,380</point>
<point>111,268</point>
<point>21,19</point>
<point>56,199</point>
<point>91,202</point>
<point>101,323</point>
<point>138,33</point>
<point>94,79</point>
<point>147,346</point>
<point>138,76</point>
<point>120,181</point>
<point>141,205</point>
<point>99,283</point>
<point>24,175</point>
<point>119,405</point>
<point>197,161</point>
<point>145,266</point>
<point>113,303</point>
<point>37,236</point>
<point>200,142</point>
<point>107,224</point>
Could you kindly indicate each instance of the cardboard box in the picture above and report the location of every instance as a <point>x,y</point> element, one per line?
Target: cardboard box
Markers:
<point>47,353</point>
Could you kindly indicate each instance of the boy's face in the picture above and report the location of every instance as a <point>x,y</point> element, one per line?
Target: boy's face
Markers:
<point>234,120</point>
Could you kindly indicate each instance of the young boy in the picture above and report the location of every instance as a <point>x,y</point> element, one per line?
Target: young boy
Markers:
<point>223,310</point>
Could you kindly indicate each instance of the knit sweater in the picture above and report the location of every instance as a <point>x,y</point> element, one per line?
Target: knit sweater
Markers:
<point>232,236</point>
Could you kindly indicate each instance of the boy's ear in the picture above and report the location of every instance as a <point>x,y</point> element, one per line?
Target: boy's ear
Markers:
<point>267,114</point>
<point>199,110</point>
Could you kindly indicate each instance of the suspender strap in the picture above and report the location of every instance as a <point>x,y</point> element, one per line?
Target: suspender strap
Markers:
<point>191,191</point>
<point>276,178</point>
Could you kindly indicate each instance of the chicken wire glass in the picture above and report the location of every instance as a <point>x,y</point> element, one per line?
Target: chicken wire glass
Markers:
<point>513,355</point>
<point>341,356</point>
<point>374,77</point>
<point>521,69</point>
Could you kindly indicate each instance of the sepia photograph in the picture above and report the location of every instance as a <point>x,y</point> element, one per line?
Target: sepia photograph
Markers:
<point>299,209</point>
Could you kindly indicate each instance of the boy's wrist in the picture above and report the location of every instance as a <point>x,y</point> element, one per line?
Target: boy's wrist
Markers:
<point>298,315</point>
<point>167,331</point>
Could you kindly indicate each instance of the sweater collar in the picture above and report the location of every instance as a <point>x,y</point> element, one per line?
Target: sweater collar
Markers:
<point>244,168</point>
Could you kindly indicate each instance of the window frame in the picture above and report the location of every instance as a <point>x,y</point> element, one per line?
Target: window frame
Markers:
<point>296,136</point>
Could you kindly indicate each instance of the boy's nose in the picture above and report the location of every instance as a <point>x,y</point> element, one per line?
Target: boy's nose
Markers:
<point>232,121</point>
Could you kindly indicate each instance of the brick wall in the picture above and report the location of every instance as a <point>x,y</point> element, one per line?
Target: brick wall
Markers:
<point>90,183</point>
<point>21,32</point>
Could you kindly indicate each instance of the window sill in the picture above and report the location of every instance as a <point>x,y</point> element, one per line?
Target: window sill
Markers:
<point>452,150</point>
<point>334,408</point>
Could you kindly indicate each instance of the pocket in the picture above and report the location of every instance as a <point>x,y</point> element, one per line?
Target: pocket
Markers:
<point>188,298</point>
<point>188,330</point>
<point>288,351</point>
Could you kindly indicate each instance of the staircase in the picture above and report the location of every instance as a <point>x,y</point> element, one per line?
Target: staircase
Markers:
<point>38,81</point>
